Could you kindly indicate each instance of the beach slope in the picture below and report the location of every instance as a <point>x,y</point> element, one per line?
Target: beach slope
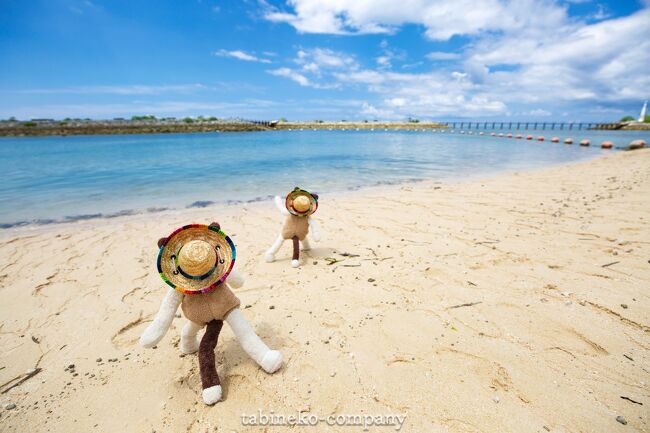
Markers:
<point>518,303</point>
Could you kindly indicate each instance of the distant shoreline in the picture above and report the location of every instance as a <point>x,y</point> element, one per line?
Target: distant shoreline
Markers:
<point>91,127</point>
<point>55,128</point>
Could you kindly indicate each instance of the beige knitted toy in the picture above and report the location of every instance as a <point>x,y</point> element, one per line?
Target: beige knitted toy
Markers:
<point>196,261</point>
<point>298,208</point>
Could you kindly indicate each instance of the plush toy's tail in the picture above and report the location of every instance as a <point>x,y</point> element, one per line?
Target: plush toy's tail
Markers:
<point>295,259</point>
<point>296,248</point>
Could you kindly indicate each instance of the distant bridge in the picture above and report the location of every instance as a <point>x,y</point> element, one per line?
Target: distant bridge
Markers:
<point>532,125</point>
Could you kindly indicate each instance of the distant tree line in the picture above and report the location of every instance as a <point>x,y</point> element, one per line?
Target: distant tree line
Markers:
<point>646,119</point>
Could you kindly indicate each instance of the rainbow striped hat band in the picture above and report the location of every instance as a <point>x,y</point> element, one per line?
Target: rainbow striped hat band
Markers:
<point>196,258</point>
<point>301,203</point>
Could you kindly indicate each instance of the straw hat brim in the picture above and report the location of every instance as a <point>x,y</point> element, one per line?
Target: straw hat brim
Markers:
<point>168,254</point>
<point>313,202</point>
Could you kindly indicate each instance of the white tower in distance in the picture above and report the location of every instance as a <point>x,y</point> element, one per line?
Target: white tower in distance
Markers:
<point>643,111</point>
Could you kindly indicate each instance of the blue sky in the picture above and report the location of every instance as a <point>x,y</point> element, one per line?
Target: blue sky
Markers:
<point>325,59</point>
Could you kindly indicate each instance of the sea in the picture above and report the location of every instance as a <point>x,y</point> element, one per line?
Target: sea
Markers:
<point>48,180</point>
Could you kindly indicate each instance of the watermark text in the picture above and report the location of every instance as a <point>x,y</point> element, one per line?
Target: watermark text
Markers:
<point>366,421</point>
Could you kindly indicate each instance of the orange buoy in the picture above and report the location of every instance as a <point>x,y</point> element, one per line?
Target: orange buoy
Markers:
<point>493,134</point>
<point>585,142</point>
<point>529,137</point>
<point>637,144</point>
<point>509,135</point>
<point>540,138</point>
<point>607,145</point>
<point>555,140</point>
<point>518,136</point>
<point>568,141</point>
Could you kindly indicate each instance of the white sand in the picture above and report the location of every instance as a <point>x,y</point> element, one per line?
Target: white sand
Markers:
<point>543,344</point>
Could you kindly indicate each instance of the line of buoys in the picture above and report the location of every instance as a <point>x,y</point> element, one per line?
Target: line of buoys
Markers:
<point>635,144</point>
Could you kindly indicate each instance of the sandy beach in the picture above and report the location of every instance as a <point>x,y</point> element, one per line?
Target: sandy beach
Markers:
<point>517,303</point>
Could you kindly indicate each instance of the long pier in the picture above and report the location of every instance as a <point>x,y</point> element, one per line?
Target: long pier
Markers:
<point>533,125</point>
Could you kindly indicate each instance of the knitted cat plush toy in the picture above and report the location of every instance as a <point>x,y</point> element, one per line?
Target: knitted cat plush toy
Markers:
<point>298,208</point>
<point>196,261</point>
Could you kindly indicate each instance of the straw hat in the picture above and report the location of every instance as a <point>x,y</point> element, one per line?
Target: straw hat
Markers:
<point>196,258</point>
<point>301,203</point>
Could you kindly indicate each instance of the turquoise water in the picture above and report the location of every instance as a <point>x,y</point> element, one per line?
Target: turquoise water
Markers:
<point>52,179</point>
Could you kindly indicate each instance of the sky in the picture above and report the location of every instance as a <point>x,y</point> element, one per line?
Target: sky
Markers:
<point>548,60</point>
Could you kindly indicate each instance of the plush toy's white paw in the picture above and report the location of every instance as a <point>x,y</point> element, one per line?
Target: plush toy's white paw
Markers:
<point>212,395</point>
<point>316,237</point>
<point>151,336</point>
<point>189,345</point>
<point>269,257</point>
<point>272,361</point>
<point>295,263</point>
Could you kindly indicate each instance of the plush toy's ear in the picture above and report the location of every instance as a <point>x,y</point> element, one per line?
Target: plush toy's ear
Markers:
<point>161,242</point>
<point>215,225</point>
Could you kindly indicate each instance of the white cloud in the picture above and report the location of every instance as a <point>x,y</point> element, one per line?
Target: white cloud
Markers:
<point>369,110</point>
<point>383,61</point>
<point>601,13</point>
<point>290,74</point>
<point>389,55</point>
<point>241,55</point>
<point>322,58</point>
<point>607,60</point>
<point>316,63</point>
<point>531,60</point>
<point>442,55</point>
<point>441,18</point>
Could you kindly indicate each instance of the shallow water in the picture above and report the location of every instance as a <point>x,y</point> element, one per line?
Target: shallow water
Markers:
<point>50,179</point>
